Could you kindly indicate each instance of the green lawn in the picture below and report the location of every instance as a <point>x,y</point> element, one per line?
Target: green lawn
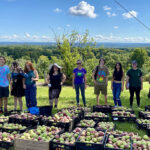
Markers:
<point>67,99</point>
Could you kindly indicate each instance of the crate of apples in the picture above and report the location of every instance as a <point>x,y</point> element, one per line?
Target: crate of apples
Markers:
<point>86,123</point>
<point>103,126</point>
<point>142,123</point>
<point>91,139</point>
<point>118,143</point>
<point>102,108</point>
<point>3,119</point>
<point>122,109</point>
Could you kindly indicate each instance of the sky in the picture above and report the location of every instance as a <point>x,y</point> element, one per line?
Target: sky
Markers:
<point>41,20</point>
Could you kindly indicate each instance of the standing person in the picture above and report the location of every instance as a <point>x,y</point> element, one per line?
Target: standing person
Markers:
<point>4,84</point>
<point>55,81</point>
<point>100,78</point>
<point>31,77</point>
<point>79,82</point>
<point>17,82</point>
<point>135,82</point>
<point>117,84</point>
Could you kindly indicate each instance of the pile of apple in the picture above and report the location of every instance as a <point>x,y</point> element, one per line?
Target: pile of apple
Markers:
<point>42,133</point>
<point>123,142</point>
<point>4,118</point>
<point>141,143</point>
<point>68,138</point>
<point>86,123</point>
<point>96,114</point>
<point>122,114</point>
<point>72,110</point>
<point>121,133</point>
<point>24,116</point>
<point>102,106</point>
<point>143,121</point>
<point>7,137</point>
<point>121,109</point>
<point>12,126</point>
<point>90,135</point>
<point>85,109</point>
<point>109,126</point>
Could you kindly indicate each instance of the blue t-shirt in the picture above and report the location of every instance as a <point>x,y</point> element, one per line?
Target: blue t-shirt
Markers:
<point>79,75</point>
<point>4,71</point>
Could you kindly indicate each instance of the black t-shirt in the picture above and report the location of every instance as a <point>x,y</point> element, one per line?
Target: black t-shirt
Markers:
<point>55,81</point>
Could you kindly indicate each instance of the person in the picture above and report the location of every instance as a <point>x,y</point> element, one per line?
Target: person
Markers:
<point>117,84</point>
<point>55,80</point>
<point>134,82</point>
<point>79,82</point>
<point>100,78</point>
<point>17,82</point>
<point>31,77</point>
<point>4,84</point>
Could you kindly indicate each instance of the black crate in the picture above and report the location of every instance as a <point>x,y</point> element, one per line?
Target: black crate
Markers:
<point>129,110</point>
<point>141,115</point>
<point>148,130</point>
<point>12,112</point>
<point>97,118</point>
<point>87,126</point>
<point>6,145</point>
<point>147,108</point>
<point>61,146</point>
<point>118,118</point>
<point>98,129</point>
<point>103,108</point>
<point>45,110</point>
<point>106,148</point>
<point>141,126</point>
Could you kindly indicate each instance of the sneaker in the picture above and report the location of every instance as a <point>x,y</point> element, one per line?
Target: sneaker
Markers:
<point>78,105</point>
<point>55,106</point>
<point>84,105</point>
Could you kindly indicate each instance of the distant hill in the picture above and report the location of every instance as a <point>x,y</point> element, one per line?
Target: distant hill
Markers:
<point>106,44</point>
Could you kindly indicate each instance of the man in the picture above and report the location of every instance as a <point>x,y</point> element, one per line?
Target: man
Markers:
<point>4,84</point>
<point>134,82</point>
<point>100,78</point>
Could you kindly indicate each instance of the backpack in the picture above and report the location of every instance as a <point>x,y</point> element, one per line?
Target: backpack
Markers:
<point>95,75</point>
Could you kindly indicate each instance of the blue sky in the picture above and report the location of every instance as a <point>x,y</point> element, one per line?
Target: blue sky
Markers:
<point>33,20</point>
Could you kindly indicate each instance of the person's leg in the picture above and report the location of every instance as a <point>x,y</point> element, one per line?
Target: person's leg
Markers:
<point>1,104</point>
<point>82,88</point>
<point>27,96</point>
<point>97,92</point>
<point>56,102</point>
<point>114,94</point>
<point>77,93</point>
<point>20,103</point>
<point>33,99</point>
<point>104,92</point>
<point>137,90</point>
<point>131,89</point>
<point>5,103</point>
<point>15,103</point>
<point>118,91</point>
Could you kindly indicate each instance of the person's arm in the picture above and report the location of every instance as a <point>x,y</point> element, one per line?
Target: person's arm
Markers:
<point>36,76</point>
<point>107,77</point>
<point>141,78</point>
<point>127,81</point>
<point>23,81</point>
<point>122,88</point>
<point>48,79</point>
<point>93,76</point>
<point>85,81</point>
<point>63,79</point>
<point>73,77</point>
<point>11,82</point>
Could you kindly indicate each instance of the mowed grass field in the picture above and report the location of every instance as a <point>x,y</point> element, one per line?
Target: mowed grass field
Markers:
<point>67,99</point>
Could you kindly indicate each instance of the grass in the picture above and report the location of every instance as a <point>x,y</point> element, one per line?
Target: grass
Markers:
<point>67,99</point>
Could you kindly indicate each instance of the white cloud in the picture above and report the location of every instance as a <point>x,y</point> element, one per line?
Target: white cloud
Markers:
<point>57,10</point>
<point>111,14</point>
<point>15,36</point>
<point>116,27</point>
<point>68,25</point>
<point>27,35</point>
<point>130,14</point>
<point>106,8</point>
<point>83,9</point>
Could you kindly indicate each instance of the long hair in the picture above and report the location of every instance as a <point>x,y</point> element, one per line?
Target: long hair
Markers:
<point>115,69</point>
<point>52,70</point>
<point>15,64</point>
<point>31,67</point>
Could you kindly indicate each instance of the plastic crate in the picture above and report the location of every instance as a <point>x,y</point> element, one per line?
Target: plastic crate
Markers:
<point>6,145</point>
<point>98,129</point>
<point>141,126</point>
<point>141,115</point>
<point>118,118</point>
<point>147,108</point>
<point>129,110</point>
<point>79,126</point>
<point>97,118</point>
<point>102,108</point>
<point>12,112</point>
<point>45,110</point>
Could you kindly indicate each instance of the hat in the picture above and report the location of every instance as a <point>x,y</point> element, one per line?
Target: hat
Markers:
<point>134,62</point>
<point>79,61</point>
<point>55,64</point>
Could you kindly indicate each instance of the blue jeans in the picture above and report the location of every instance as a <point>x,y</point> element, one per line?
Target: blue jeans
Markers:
<point>116,93</point>
<point>30,94</point>
<point>82,88</point>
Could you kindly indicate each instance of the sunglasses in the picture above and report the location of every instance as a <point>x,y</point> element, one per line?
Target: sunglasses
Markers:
<point>78,63</point>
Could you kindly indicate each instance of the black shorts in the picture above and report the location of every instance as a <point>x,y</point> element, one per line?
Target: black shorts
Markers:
<point>4,92</point>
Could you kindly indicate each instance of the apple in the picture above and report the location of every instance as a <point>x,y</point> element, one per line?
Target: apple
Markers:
<point>86,123</point>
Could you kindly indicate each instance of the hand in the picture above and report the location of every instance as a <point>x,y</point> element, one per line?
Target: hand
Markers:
<point>112,88</point>
<point>24,86</point>
<point>73,86</point>
<point>122,89</point>
<point>94,81</point>
<point>85,86</point>
<point>11,88</point>
<point>33,79</point>
<point>61,83</point>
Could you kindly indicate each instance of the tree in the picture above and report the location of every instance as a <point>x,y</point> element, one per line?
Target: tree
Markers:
<point>140,55</point>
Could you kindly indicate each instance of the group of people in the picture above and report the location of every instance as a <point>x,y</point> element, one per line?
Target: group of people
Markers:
<point>23,83</point>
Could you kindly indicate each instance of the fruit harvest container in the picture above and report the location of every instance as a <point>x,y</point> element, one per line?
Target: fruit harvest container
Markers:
<point>20,144</point>
<point>45,110</point>
<point>90,146</point>
<point>148,130</point>
<point>12,112</point>
<point>128,110</point>
<point>102,108</point>
<point>94,125</point>
<point>99,129</point>
<point>141,126</point>
<point>147,108</point>
<point>6,145</point>
<point>106,148</point>
<point>97,118</point>
<point>120,118</point>
<point>141,115</point>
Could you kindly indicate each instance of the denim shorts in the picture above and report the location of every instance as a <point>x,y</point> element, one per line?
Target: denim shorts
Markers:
<point>4,92</point>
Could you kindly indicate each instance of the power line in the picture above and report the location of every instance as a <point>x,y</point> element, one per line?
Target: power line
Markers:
<point>138,20</point>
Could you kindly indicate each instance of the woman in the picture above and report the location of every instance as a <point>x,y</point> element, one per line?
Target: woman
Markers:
<point>79,82</point>
<point>31,77</point>
<point>4,84</point>
<point>55,81</point>
<point>134,82</point>
<point>117,84</point>
<point>17,82</point>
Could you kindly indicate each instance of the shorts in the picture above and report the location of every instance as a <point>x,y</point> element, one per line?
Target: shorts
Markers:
<point>100,88</point>
<point>4,92</point>
<point>54,93</point>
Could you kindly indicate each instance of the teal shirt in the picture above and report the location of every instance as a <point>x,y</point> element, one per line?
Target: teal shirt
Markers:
<point>29,80</point>
<point>134,77</point>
